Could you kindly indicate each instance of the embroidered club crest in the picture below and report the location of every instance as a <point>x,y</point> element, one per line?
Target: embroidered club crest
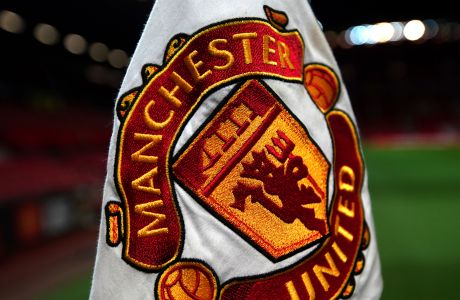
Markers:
<point>253,165</point>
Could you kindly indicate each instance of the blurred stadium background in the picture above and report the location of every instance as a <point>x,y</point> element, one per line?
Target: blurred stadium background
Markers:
<point>61,66</point>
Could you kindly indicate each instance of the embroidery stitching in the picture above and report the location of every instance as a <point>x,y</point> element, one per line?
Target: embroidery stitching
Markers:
<point>154,114</point>
<point>187,279</point>
<point>243,153</point>
<point>267,158</point>
<point>328,272</point>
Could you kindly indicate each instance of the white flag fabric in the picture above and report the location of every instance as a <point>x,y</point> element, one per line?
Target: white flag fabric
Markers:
<point>235,169</point>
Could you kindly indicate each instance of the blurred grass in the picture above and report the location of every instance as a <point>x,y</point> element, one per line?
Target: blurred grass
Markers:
<point>416,205</point>
<point>78,289</point>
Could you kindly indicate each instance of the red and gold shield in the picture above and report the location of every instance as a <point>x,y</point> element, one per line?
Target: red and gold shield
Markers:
<point>255,167</point>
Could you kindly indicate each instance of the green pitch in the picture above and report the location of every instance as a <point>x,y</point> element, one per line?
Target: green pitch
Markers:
<point>416,205</point>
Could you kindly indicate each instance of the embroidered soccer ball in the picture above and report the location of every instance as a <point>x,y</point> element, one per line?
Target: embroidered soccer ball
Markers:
<point>322,85</point>
<point>187,280</point>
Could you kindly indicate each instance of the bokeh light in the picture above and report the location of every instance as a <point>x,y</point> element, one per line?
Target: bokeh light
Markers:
<point>98,51</point>
<point>46,34</point>
<point>381,32</point>
<point>414,30</point>
<point>118,58</point>
<point>75,43</point>
<point>11,22</point>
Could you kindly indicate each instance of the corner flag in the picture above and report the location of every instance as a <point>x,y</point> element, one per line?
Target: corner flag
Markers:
<point>235,168</point>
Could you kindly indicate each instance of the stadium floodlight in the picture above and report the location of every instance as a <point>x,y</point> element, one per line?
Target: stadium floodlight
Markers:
<point>381,32</point>
<point>358,35</point>
<point>398,31</point>
<point>414,30</point>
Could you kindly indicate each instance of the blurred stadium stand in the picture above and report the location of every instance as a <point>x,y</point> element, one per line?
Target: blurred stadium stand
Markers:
<point>407,90</point>
<point>56,105</point>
